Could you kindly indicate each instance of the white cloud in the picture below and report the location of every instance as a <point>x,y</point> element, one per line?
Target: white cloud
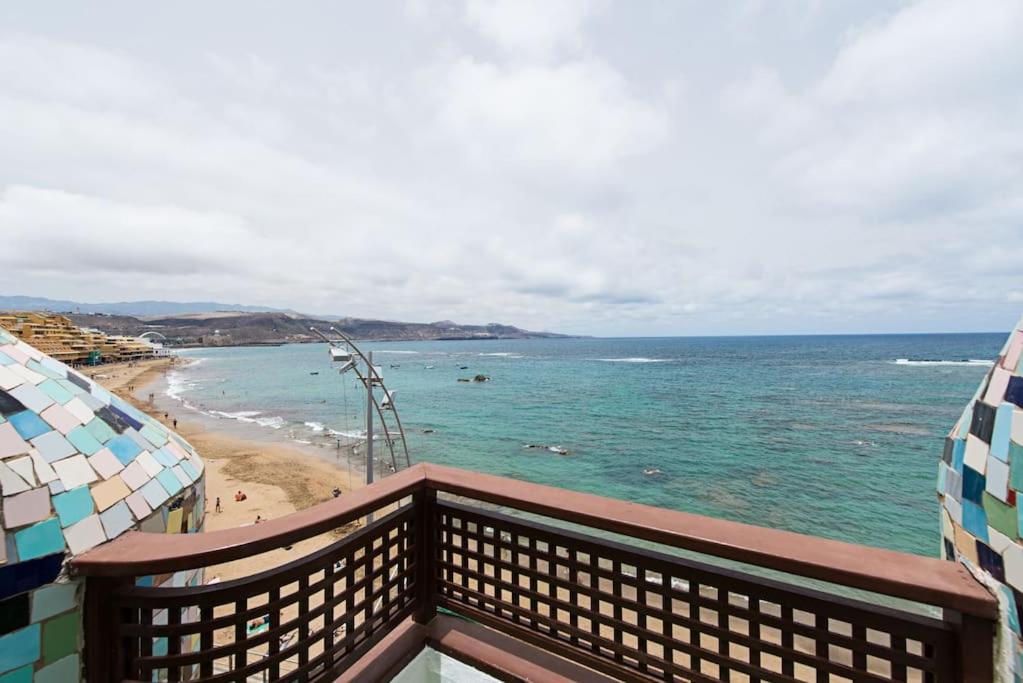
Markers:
<point>579,116</point>
<point>531,28</point>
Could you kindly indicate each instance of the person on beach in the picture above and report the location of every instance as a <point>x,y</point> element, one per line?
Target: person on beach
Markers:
<point>175,423</point>
<point>217,508</point>
<point>258,519</point>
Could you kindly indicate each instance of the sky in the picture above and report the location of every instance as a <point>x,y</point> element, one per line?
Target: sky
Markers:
<point>581,166</point>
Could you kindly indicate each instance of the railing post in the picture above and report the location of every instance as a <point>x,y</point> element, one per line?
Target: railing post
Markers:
<point>425,502</point>
<point>107,656</point>
<point>976,650</point>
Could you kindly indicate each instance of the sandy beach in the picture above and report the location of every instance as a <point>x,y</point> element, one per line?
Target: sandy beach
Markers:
<point>277,479</point>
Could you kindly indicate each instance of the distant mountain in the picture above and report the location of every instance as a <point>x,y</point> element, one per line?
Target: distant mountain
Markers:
<point>139,308</point>
<point>240,328</point>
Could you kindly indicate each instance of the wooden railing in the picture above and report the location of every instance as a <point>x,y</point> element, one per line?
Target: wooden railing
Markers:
<point>614,607</point>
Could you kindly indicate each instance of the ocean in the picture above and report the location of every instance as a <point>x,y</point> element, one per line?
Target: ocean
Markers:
<point>837,436</point>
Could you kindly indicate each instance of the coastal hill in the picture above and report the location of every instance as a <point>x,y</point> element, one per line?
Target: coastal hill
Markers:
<point>228,328</point>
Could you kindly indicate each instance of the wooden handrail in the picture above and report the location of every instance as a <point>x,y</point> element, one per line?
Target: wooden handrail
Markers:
<point>912,577</point>
<point>138,553</point>
<point>935,582</point>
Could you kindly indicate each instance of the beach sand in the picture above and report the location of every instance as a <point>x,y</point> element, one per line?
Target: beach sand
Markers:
<point>277,479</point>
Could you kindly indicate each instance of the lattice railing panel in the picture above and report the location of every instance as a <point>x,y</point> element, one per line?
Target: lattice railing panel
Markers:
<point>306,620</point>
<point>655,616</point>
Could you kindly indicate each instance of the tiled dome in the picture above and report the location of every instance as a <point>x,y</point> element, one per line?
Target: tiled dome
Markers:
<point>78,466</point>
<point>980,483</point>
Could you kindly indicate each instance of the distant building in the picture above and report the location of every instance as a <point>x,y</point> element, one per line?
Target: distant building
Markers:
<point>59,338</point>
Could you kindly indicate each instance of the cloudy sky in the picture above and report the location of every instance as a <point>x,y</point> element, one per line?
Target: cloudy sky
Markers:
<point>631,168</point>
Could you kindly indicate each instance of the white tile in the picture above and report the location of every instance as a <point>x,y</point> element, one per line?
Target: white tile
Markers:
<point>44,471</point>
<point>29,350</point>
<point>139,506</point>
<point>60,419</point>
<point>10,482</point>
<point>74,471</point>
<point>26,508</point>
<point>81,411</point>
<point>8,379</point>
<point>976,454</point>
<point>149,463</point>
<point>84,535</point>
<point>997,540</point>
<point>1017,426</point>
<point>996,386</point>
<point>23,466</point>
<point>134,476</point>
<point>53,446</point>
<point>30,376</point>
<point>1013,557</point>
<point>105,462</point>
<point>955,510</point>
<point>31,396</point>
<point>997,483</point>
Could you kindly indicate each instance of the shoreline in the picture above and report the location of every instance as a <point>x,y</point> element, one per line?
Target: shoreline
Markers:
<point>277,478</point>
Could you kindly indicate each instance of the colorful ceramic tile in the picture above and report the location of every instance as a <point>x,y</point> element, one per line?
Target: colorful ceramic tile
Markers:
<point>155,493</point>
<point>19,675</point>
<point>60,671</point>
<point>55,391</point>
<point>149,463</point>
<point>192,474</point>
<point>10,482</point>
<point>997,479</point>
<point>1017,426</point>
<point>999,541</point>
<point>61,636</point>
<point>109,492</point>
<point>975,520</point>
<point>52,599</point>
<point>134,476</point>
<point>86,534</point>
<point>1002,431</point>
<point>124,448</point>
<point>30,397</point>
<point>26,508</point>
<point>44,470</point>
<point>60,419</point>
<point>139,507</point>
<point>165,457</point>
<point>1000,516</point>
<point>100,430</point>
<point>11,442</point>
<point>117,520</point>
<point>39,539</point>
<point>85,442</point>
<point>169,481</point>
<point>53,446</point>
<point>1013,560</point>
<point>19,648</point>
<point>74,505</point>
<point>28,424</point>
<point>81,411</point>
<point>996,387</point>
<point>74,471</point>
<point>104,462</point>
<point>8,379</point>
<point>153,436</point>
<point>30,377</point>
<point>22,466</point>
<point>976,454</point>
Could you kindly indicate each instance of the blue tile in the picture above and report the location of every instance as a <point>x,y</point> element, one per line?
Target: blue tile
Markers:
<point>29,425</point>
<point>22,675</point>
<point>55,391</point>
<point>973,485</point>
<point>19,648</point>
<point>975,520</point>
<point>169,481</point>
<point>73,506</point>
<point>25,576</point>
<point>1014,393</point>
<point>164,457</point>
<point>116,520</point>
<point>1001,432</point>
<point>5,359</point>
<point>124,448</point>
<point>82,439</point>
<point>189,470</point>
<point>39,539</point>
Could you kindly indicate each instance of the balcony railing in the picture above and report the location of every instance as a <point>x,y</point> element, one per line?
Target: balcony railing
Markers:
<point>533,596</point>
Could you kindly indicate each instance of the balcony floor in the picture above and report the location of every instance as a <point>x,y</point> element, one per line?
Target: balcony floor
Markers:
<point>431,666</point>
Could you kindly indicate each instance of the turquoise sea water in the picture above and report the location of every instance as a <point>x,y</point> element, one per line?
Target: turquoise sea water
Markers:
<point>829,435</point>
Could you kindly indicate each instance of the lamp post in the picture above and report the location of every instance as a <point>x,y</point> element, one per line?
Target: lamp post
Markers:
<point>369,425</point>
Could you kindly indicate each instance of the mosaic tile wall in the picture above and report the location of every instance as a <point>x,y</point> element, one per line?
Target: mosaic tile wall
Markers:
<point>980,479</point>
<point>78,466</point>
